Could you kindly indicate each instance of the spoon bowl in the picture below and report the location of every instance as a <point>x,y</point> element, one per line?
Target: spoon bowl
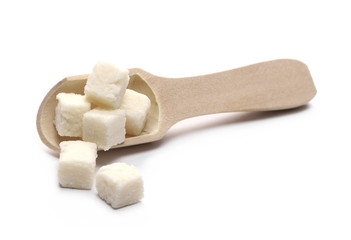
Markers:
<point>267,86</point>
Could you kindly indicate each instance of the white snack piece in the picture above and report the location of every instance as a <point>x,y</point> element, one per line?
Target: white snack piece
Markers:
<point>69,114</point>
<point>137,107</point>
<point>104,127</point>
<point>77,164</point>
<point>119,184</point>
<point>106,85</point>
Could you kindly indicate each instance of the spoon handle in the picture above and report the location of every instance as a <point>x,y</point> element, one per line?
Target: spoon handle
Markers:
<point>272,85</point>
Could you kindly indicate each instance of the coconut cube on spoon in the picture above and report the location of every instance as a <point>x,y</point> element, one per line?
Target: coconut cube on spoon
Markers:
<point>137,107</point>
<point>69,114</point>
<point>104,127</point>
<point>106,85</point>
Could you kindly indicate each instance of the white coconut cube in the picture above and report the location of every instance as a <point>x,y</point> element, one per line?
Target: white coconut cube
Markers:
<point>137,107</point>
<point>106,85</point>
<point>119,184</point>
<point>104,127</point>
<point>77,164</point>
<point>69,114</point>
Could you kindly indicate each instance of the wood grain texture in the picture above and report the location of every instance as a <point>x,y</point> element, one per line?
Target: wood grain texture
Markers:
<point>273,85</point>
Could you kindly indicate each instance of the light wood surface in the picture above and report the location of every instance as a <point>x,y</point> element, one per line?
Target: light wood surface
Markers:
<point>273,85</point>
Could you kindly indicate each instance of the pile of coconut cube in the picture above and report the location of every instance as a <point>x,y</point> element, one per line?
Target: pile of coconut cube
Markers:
<point>101,118</point>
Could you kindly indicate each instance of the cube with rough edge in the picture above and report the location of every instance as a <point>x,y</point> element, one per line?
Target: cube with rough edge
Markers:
<point>69,114</point>
<point>106,85</point>
<point>137,107</point>
<point>119,184</point>
<point>77,164</point>
<point>104,127</point>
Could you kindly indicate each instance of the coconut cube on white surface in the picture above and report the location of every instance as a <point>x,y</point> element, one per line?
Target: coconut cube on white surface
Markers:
<point>106,85</point>
<point>77,164</point>
<point>104,127</point>
<point>119,184</point>
<point>137,107</point>
<point>69,114</point>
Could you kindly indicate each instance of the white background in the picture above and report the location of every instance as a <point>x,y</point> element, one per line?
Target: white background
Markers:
<point>283,175</point>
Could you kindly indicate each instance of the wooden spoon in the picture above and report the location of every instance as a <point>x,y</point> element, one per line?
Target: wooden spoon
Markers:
<point>272,85</point>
